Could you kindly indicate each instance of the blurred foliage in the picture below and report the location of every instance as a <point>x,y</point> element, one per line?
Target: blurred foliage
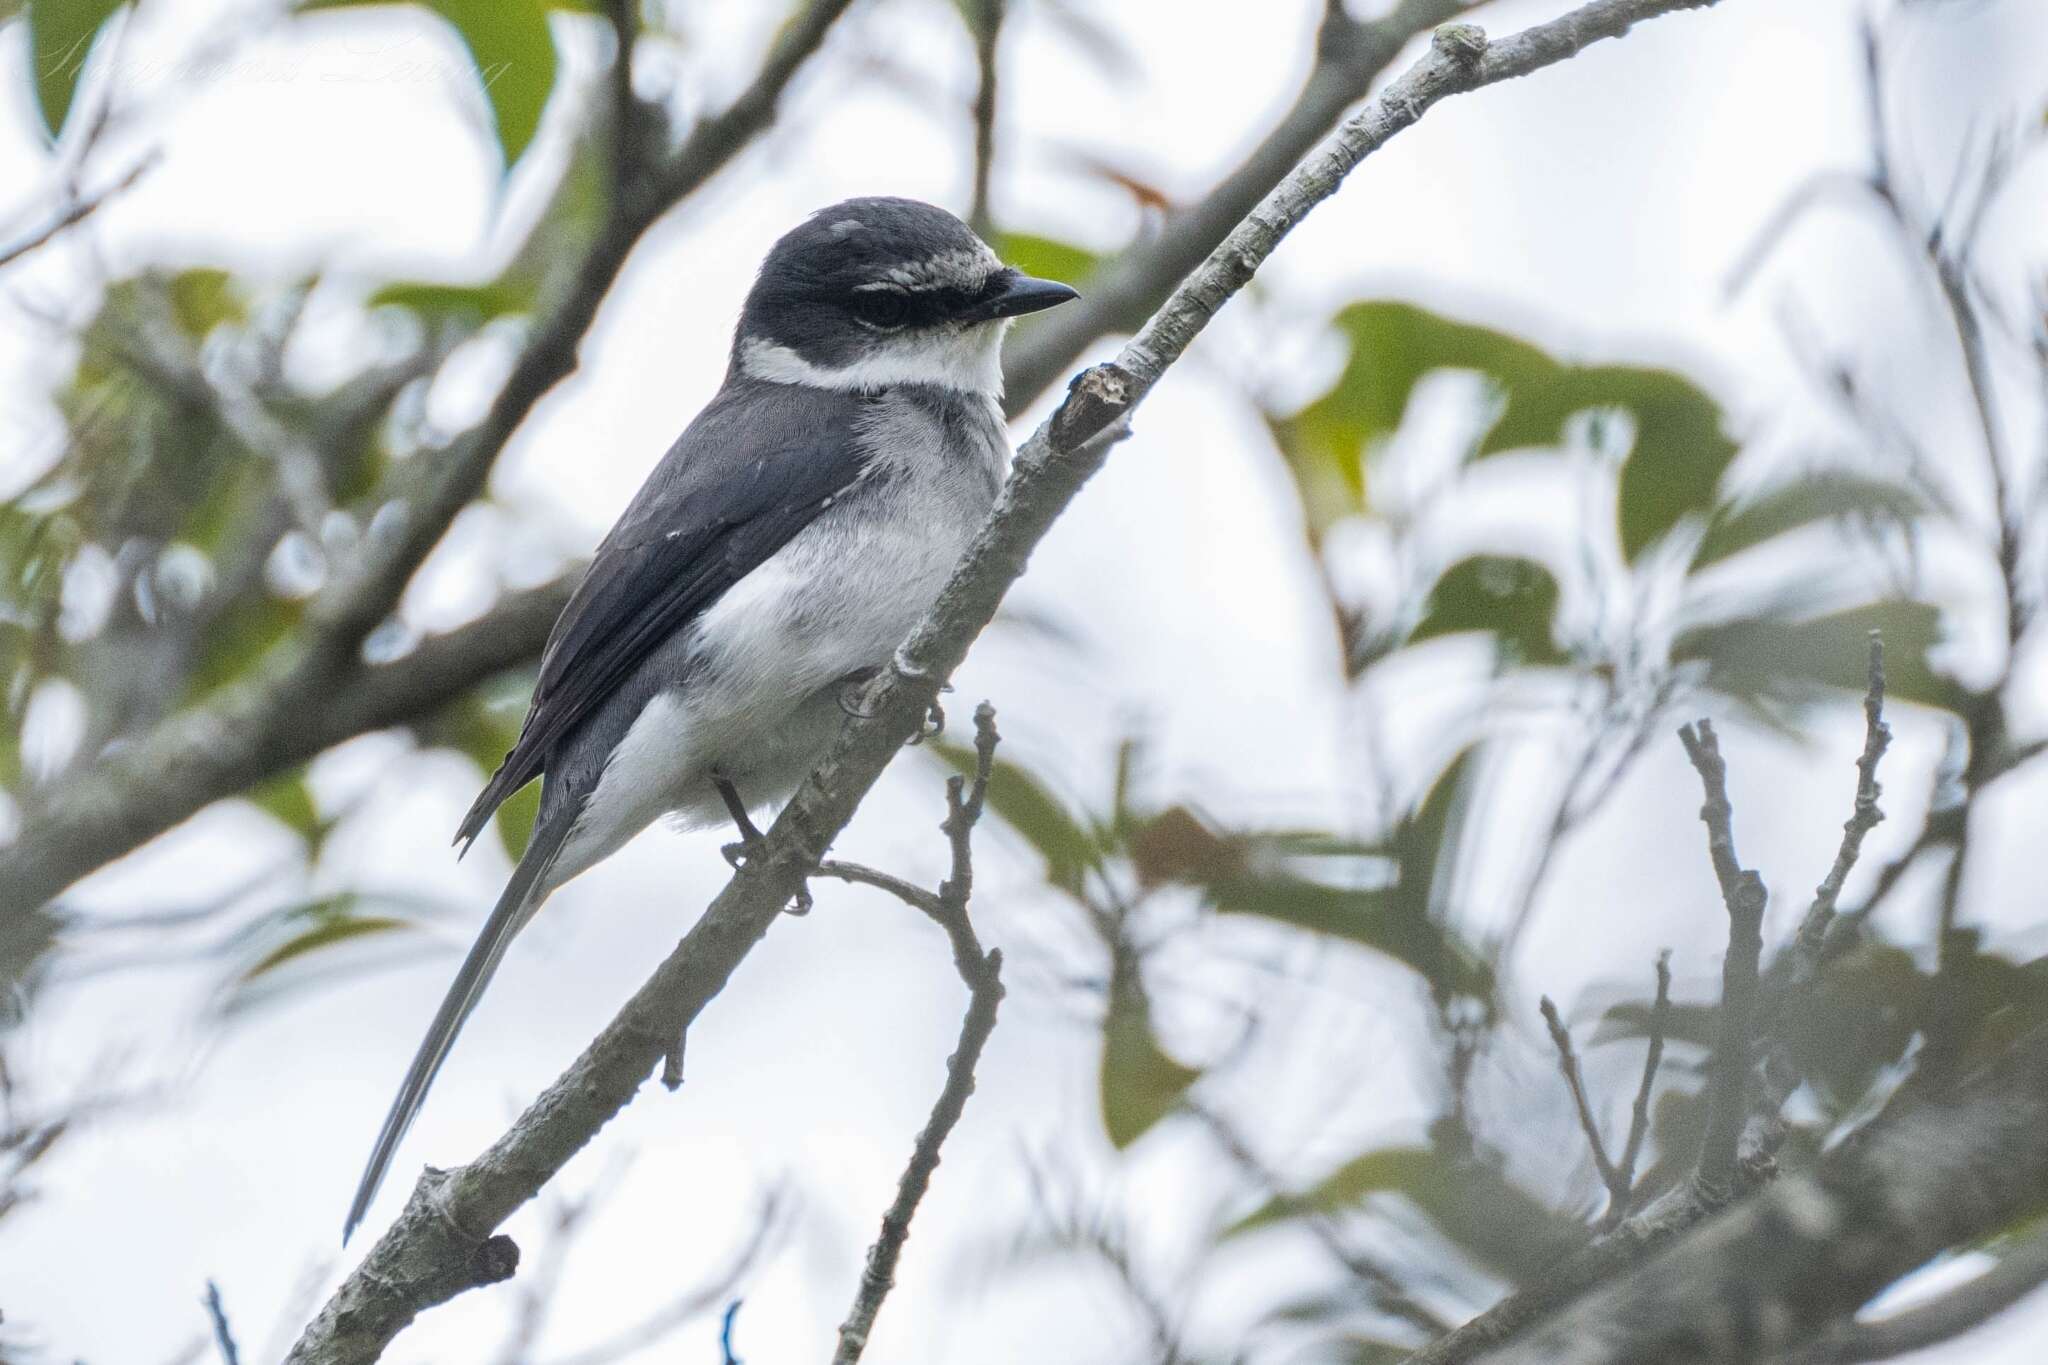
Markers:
<point>61,34</point>
<point>512,48</point>
<point>166,549</point>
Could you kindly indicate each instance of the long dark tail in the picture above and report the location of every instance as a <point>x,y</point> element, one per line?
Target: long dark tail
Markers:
<point>515,907</point>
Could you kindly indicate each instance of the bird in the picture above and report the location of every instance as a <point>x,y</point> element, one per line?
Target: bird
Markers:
<point>773,560</point>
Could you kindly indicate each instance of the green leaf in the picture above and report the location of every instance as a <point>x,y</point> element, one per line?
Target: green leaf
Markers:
<point>1140,1083</point>
<point>1679,455</point>
<point>1677,459</point>
<point>1511,598</point>
<point>1761,660</point>
<point>1046,258</point>
<point>1629,1020</point>
<point>471,303</point>
<point>289,801</point>
<point>1816,497</point>
<point>1392,345</point>
<point>513,49</point>
<point>202,300</point>
<point>327,929</point>
<point>1471,1202</point>
<point>1257,874</point>
<point>243,638</point>
<point>60,37</point>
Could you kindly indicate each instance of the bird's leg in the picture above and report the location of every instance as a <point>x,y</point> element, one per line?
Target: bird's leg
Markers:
<point>739,854</point>
<point>749,842</point>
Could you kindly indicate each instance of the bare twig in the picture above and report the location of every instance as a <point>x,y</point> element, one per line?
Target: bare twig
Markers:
<point>1777,1074</point>
<point>1773,1273</point>
<point>624,18</point>
<point>1568,1066</point>
<point>1385,1286</point>
<point>1742,890</point>
<point>986,18</point>
<point>982,973</point>
<point>1639,1117</point>
<point>1877,737</point>
<point>425,1257</point>
<point>223,1337</point>
<point>77,212</point>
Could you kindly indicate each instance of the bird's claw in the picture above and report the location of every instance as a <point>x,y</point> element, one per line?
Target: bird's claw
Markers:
<point>933,726</point>
<point>740,852</point>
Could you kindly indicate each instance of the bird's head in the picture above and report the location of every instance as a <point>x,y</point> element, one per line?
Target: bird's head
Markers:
<point>871,293</point>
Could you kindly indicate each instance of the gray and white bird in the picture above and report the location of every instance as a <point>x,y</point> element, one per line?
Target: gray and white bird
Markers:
<point>778,553</point>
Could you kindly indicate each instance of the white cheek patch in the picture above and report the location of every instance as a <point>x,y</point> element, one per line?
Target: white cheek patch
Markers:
<point>969,360</point>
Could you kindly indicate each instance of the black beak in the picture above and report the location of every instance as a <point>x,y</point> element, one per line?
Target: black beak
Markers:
<point>1014,294</point>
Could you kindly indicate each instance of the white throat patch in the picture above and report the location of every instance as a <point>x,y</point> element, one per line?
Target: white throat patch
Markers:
<point>969,360</point>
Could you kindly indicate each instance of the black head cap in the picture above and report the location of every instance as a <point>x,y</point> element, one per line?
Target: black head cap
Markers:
<point>869,275</point>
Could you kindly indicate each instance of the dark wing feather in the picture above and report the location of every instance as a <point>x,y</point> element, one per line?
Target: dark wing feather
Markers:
<point>754,469</point>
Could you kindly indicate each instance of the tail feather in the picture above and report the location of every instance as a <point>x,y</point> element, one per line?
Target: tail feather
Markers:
<point>515,907</point>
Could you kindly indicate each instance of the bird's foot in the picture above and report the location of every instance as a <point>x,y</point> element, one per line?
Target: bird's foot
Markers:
<point>856,692</point>
<point>752,843</point>
<point>934,721</point>
<point>748,846</point>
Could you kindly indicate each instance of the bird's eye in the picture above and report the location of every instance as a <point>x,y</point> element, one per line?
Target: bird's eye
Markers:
<point>882,309</point>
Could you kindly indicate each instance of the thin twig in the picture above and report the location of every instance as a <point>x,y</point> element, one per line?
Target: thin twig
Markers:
<point>624,18</point>
<point>1877,737</point>
<point>1568,1066</point>
<point>77,212</point>
<point>1783,1266</point>
<point>1742,890</point>
<point>1639,1117</point>
<point>986,17</point>
<point>223,1337</point>
<point>982,973</point>
<point>1385,1286</point>
<point>1777,1074</point>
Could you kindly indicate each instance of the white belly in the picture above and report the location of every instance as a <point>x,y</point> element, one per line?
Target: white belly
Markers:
<point>770,659</point>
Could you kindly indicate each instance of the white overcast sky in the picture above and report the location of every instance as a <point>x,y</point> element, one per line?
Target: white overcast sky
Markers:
<point>1598,206</point>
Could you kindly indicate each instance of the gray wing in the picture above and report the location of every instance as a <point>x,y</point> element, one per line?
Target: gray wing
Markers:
<point>755,468</point>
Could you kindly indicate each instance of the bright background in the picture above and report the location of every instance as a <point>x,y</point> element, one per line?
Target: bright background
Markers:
<point>1597,207</point>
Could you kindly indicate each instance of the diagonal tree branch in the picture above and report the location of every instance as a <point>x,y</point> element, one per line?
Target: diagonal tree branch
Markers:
<point>239,740</point>
<point>427,1255</point>
<point>1350,55</point>
<point>215,749</point>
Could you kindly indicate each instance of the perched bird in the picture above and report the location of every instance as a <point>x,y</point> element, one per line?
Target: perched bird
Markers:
<point>775,557</point>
